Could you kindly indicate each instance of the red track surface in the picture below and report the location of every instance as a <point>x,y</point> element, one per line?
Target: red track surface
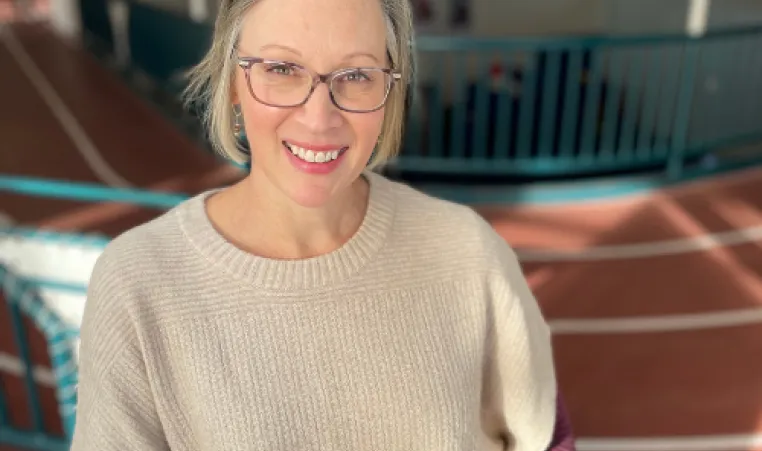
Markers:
<point>689,382</point>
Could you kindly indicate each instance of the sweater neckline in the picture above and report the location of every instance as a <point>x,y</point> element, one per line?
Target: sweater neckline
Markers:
<point>294,274</point>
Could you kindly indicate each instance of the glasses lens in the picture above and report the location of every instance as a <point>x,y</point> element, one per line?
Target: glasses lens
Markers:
<point>280,84</point>
<point>361,89</point>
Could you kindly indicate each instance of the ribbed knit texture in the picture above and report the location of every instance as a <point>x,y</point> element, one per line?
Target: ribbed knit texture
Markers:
<point>419,334</point>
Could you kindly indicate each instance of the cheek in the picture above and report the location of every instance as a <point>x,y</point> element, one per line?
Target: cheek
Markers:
<point>367,127</point>
<point>261,121</point>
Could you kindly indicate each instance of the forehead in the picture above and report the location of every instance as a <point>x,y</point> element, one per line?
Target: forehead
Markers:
<point>323,32</point>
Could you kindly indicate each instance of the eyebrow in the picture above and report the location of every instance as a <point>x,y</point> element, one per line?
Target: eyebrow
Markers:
<point>361,54</point>
<point>298,53</point>
<point>281,47</point>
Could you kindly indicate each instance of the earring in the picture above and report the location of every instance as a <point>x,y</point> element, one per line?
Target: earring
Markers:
<point>237,121</point>
<point>239,132</point>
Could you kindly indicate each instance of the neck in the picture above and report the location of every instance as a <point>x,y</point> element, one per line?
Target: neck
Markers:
<point>260,220</point>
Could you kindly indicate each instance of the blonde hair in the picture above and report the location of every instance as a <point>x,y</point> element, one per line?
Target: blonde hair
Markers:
<point>210,82</point>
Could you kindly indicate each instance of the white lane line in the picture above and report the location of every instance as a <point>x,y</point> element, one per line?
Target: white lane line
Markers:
<point>736,442</point>
<point>10,364</point>
<point>71,126</point>
<point>661,323</point>
<point>6,220</point>
<point>644,250</point>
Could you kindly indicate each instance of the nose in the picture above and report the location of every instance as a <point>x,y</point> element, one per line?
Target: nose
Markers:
<point>319,113</point>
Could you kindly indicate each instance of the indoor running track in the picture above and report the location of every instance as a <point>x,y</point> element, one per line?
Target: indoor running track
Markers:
<point>655,300</point>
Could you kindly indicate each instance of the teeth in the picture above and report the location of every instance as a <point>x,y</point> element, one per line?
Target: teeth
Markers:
<point>312,156</point>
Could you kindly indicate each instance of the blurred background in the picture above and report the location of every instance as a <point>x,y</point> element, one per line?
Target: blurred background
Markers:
<point>616,144</point>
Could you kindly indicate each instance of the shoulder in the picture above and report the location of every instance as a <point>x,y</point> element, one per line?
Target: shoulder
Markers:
<point>132,264</point>
<point>135,250</point>
<point>415,205</point>
<point>443,241</point>
<point>441,227</point>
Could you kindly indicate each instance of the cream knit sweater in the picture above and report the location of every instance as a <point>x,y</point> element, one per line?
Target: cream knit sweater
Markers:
<point>419,334</point>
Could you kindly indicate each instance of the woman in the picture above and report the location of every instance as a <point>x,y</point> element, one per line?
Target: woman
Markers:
<point>315,305</point>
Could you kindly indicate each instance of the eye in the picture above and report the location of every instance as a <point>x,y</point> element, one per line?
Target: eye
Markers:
<point>280,69</point>
<point>356,75</point>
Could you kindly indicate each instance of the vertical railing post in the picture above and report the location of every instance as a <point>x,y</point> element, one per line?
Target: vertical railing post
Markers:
<point>4,413</point>
<point>15,292</point>
<point>4,409</point>
<point>681,124</point>
<point>65,369</point>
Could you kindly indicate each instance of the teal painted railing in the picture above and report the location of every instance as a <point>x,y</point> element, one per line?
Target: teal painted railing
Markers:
<point>21,300</point>
<point>20,297</point>
<point>543,107</point>
<point>587,105</point>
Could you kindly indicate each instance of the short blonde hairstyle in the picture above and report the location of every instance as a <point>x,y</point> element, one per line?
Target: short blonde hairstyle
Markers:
<point>210,82</point>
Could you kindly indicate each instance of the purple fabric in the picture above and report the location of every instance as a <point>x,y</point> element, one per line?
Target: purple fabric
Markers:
<point>563,435</point>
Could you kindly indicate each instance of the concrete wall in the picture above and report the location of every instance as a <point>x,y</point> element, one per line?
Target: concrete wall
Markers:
<point>670,16</point>
<point>533,17</point>
<point>645,16</point>
<point>734,13</point>
<point>565,17</point>
<point>519,17</point>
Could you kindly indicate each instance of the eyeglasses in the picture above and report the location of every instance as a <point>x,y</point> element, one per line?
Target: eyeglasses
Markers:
<point>286,84</point>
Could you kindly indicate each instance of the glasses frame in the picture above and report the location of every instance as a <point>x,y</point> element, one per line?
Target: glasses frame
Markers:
<point>246,64</point>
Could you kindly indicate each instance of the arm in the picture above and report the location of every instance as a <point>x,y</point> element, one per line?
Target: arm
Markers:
<point>115,406</point>
<point>519,386</point>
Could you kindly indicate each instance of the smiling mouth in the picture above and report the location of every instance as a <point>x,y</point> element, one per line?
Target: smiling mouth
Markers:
<point>312,156</point>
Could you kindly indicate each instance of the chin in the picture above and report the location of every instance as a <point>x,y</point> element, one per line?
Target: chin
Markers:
<point>317,189</point>
<point>310,190</point>
<point>311,195</point>
<point>313,185</point>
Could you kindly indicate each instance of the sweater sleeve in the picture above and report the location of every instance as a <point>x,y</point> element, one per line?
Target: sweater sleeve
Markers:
<point>115,405</point>
<point>519,396</point>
